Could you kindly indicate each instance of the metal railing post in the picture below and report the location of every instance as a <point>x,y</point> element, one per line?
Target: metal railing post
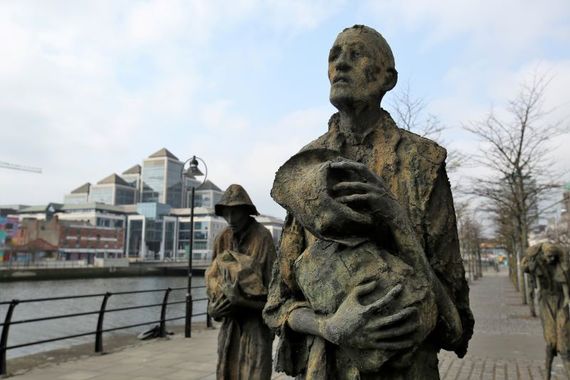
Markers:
<point>208,317</point>
<point>99,333</point>
<point>188,324</point>
<point>4,337</point>
<point>162,332</point>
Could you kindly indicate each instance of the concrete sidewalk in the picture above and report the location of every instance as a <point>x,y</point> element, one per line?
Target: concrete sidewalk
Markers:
<point>507,345</point>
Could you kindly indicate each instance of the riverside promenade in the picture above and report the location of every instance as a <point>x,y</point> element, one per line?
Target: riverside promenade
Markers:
<point>507,345</point>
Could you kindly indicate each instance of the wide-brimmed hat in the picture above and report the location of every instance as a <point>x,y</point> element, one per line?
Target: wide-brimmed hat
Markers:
<point>302,186</point>
<point>235,195</point>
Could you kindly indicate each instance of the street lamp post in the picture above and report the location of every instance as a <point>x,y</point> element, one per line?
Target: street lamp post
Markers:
<point>192,171</point>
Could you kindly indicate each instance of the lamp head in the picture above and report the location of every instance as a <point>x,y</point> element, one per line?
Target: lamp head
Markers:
<point>193,170</point>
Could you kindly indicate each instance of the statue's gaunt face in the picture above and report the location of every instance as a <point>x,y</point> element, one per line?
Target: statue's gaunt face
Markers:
<point>355,70</point>
<point>236,216</point>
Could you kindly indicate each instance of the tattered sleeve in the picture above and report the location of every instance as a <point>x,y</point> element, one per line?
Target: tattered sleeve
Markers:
<point>442,250</point>
<point>268,258</point>
<point>284,297</point>
<point>212,273</point>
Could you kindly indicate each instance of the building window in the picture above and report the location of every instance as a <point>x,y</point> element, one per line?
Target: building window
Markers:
<point>200,245</point>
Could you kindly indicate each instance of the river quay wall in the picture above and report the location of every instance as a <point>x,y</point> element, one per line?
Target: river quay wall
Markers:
<point>42,274</point>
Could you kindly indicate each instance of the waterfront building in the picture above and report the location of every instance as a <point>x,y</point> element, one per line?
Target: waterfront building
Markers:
<point>147,231</point>
<point>9,226</point>
<point>54,239</point>
<point>148,207</point>
<point>150,232</point>
<point>274,225</point>
<point>162,179</point>
<point>113,190</point>
<point>159,232</point>
<point>79,195</point>
<point>83,241</point>
<point>94,213</point>
<point>206,195</point>
<point>133,177</point>
<point>207,225</point>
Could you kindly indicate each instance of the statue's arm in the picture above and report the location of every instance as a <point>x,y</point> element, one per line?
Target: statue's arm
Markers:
<point>283,295</point>
<point>442,250</point>
<point>284,298</point>
<point>218,305</point>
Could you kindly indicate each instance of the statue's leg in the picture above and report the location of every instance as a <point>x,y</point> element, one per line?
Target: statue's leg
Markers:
<point>550,353</point>
<point>531,301</point>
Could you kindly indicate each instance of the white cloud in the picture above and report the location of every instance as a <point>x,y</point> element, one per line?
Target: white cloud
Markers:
<point>90,88</point>
<point>505,27</point>
<point>219,115</point>
<point>253,159</point>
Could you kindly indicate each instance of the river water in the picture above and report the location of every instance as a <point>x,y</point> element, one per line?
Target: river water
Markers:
<point>24,333</point>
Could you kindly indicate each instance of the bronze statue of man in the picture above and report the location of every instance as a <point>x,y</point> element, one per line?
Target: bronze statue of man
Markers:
<point>237,283</point>
<point>548,264</point>
<point>369,282</point>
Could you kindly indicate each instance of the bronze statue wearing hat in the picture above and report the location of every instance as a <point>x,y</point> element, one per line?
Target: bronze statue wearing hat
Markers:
<point>237,283</point>
<point>369,282</point>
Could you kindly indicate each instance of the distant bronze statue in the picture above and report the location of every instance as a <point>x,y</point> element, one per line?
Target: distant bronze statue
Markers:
<point>237,283</point>
<point>369,282</point>
<point>548,264</point>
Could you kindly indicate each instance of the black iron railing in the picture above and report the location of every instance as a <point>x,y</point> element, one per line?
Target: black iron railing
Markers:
<point>99,330</point>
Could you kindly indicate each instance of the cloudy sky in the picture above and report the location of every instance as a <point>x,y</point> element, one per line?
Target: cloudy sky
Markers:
<point>89,88</point>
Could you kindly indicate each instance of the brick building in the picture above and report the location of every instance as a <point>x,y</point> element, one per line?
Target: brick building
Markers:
<point>67,240</point>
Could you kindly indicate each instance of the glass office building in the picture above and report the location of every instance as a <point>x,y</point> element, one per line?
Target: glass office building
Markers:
<point>79,195</point>
<point>112,190</point>
<point>133,177</point>
<point>162,179</point>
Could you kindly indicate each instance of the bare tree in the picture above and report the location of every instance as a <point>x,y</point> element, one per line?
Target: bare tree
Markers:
<point>410,113</point>
<point>515,150</point>
<point>470,237</point>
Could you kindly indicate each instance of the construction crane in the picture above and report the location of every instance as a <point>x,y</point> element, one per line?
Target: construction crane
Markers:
<point>8,165</point>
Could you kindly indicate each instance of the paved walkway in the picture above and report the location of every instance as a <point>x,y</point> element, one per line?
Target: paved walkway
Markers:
<point>507,345</point>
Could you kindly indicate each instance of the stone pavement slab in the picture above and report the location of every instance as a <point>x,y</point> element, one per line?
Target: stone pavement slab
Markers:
<point>172,358</point>
<point>507,345</point>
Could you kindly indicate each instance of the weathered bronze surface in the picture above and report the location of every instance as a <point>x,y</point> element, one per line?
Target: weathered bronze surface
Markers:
<point>369,283</point>
<point>237,283</point>
<point>548,265</point>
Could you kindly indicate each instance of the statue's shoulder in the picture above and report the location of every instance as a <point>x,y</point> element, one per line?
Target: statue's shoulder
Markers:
<point>427,149</point>
<point>225,234</point>
<point>261,230</point>
<point>325,140</point>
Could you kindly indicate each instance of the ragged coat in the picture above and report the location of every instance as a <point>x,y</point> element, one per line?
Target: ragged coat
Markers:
<point>413,168</point>
<point>244,341</point>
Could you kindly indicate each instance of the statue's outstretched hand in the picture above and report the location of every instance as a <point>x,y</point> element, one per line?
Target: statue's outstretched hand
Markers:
<point>366,327</point>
